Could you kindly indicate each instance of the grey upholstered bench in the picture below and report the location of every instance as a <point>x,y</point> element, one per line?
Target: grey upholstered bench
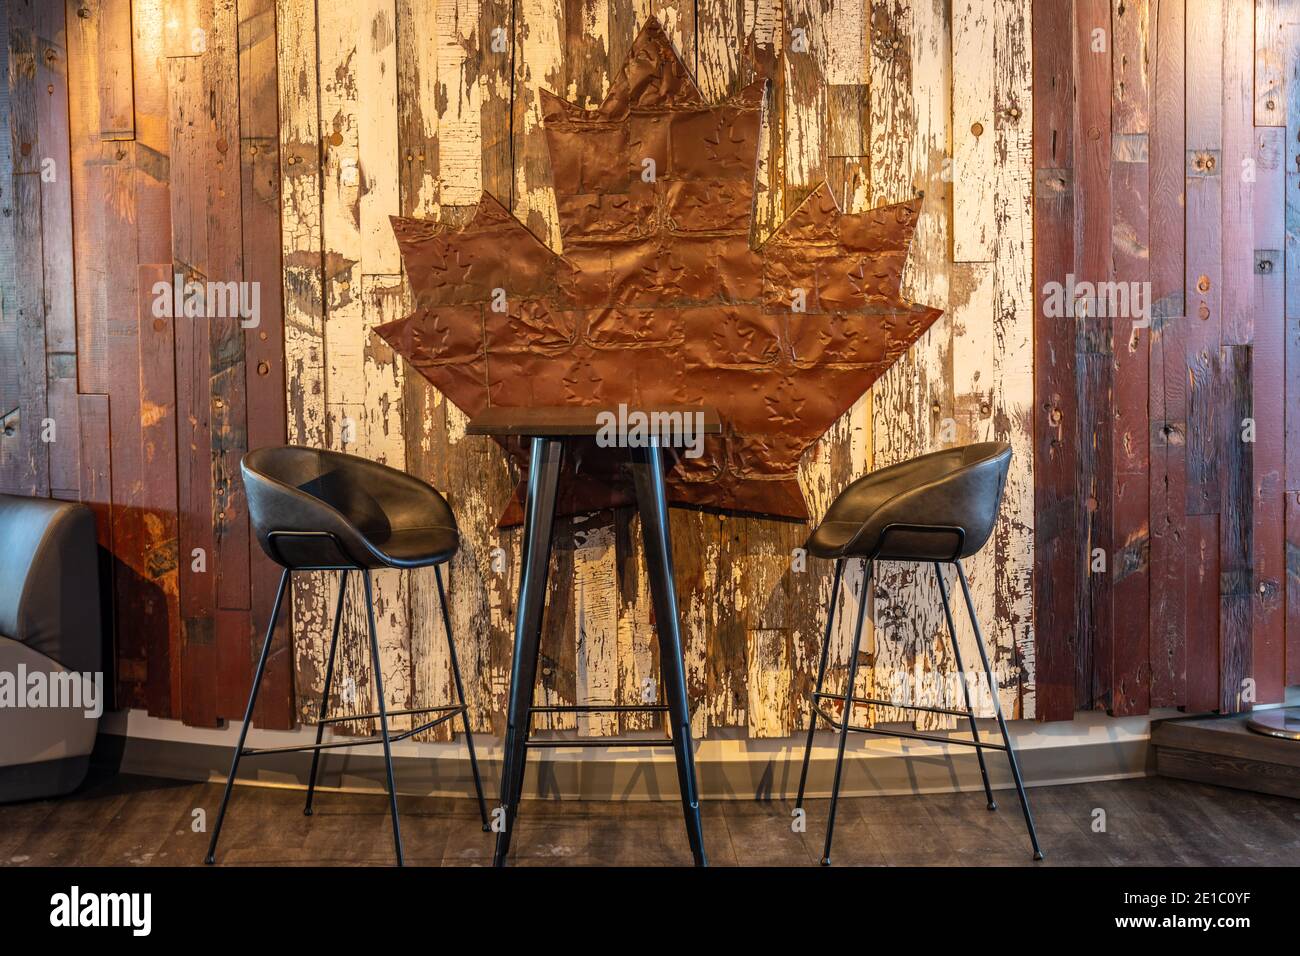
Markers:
<point>52,688</point>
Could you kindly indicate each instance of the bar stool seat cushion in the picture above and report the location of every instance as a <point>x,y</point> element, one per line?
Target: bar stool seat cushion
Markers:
<point>954,488</point>
<point>312,508</point>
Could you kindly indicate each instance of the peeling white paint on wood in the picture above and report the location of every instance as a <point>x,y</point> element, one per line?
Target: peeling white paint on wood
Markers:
<point>973,227</point>
<point>751,626</point>
<point>376,66</point>
<point>1010,630</point>
<point>304,328</point>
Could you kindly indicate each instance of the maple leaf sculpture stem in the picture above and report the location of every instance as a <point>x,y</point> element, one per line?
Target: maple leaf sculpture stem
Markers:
<point>659,298</point>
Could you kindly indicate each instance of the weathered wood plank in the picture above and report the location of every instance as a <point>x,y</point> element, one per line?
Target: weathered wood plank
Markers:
<point>264,334</point>
<point>973,158</point>
<point>1204,264</point>
<point>912,401</point>
<point>1131,337</point>
<point>1236,578</point>
<point>1094,221</point>
<point>1203,291</point>
<point>1202,612</point>
<point>1268,382</point>
<point>1013,356</point>
<point>199,695</point>
<point>1057,547</point>
<point>53,156</point>
<point>1168,369</point>
<point>304,327</point>
<point>97,491</point>
<point>1291,478</point>
<point>224,385</point>
<point>1271,65</point>
<point>1292,587</point>
<point>1240,175</point>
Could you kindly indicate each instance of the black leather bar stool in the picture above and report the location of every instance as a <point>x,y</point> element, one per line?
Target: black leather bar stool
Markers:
<point>315,510</point>
<point>937,509</point>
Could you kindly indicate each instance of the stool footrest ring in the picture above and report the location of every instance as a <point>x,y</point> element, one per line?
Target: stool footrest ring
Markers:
<point>596,742</point>
<point>889,703</point>
<point>451,711</point>
<point>910,735</point>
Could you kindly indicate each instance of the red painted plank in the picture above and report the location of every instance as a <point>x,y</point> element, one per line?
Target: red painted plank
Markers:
<point>156,615</point>
<point>187,137</point>
<point>1235,541</point>
<point>1202,613</point>
<point>1168,374</point>
<point>1131,343</point>
<point>1057,571</point>
<point>1095,679</point>
<point>1268,374</point>
<point>1293,587</point>
<point>157,355</point>
<point>1239,178</point>
<point>264,344</point>
<point>1203,333</point>
<point>96,490</point>
<point>1204,265</point>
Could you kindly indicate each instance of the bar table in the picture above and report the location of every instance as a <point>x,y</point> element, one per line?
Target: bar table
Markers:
<point>548,428</point>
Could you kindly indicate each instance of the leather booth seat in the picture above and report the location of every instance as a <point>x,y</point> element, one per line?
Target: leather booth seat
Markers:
<point>52,688</point>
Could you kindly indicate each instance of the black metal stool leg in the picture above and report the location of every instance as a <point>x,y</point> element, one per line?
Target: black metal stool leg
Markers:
<point>460,698</point>
<point>248,716</point>
<point>539,519</point>
<point>961,674</point>
<point>997,709</point>
<point>648,476</point>
<point>821,675</point>
<point>325,697</point>
<point>383,714</point>
<point>868,568</point>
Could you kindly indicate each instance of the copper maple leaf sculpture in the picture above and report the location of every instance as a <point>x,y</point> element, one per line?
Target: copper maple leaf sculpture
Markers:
<point>659,299</point>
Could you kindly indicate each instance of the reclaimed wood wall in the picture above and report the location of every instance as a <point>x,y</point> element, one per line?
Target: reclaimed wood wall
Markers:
<point>267,142</point>
<point>1167,158</point>
<point>144,146</point>
<point>402,107</point>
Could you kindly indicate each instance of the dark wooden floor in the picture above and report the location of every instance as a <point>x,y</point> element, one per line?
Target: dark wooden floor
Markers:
<point>141,821</point>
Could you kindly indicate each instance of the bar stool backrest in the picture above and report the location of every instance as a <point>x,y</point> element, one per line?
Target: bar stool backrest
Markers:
<point>311,508</point>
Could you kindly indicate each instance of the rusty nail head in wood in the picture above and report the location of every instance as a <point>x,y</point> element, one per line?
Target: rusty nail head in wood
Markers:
<point>1203,284</point>
<point>1094,133</point>
<point>263,368</point>
<point>977,129</point>
<point>159,325</point>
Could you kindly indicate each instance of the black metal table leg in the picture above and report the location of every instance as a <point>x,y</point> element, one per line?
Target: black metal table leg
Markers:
<point>539,519</point>
<point>648,474</point>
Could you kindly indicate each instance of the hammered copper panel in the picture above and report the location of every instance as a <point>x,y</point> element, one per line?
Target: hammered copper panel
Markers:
<point>659,298</point>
